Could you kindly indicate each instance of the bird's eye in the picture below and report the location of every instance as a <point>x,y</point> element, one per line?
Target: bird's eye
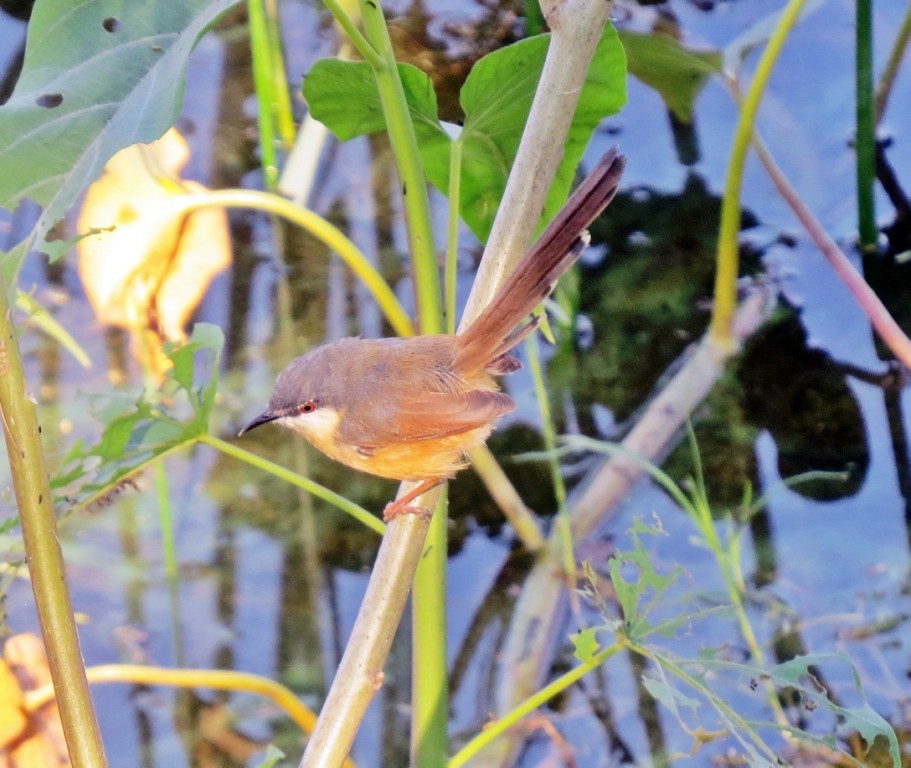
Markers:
<point>308,407</point>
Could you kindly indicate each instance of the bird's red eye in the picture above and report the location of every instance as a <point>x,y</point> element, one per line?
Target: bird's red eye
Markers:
<point>308,407</point>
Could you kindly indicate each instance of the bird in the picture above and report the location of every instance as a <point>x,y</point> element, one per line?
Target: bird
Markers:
<point>412,408</point>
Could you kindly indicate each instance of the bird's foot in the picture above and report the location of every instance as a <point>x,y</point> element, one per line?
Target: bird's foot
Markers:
<point>396,508</point>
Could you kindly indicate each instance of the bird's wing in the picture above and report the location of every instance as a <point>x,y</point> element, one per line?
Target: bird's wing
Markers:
<point>426,416</point>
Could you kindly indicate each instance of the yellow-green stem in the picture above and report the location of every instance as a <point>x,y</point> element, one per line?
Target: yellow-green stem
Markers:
<point>728,235</point>
<point>429,671</point>
<point>452,235</point>
<point>497,727</point>
<point>364,47</point>
<point>42,548</point>
<point>426,272</point>
<point>322,230</point>
<point>563,523</point>
<point>321,492</point>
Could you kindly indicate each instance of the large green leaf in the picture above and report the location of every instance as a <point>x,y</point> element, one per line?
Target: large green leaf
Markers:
<point>496,99</point>
<point>98,76</point>
<point>677,73</point>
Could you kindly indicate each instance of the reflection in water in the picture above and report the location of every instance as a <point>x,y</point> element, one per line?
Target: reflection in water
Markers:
<point>800,395</point>
<point>644,303</point>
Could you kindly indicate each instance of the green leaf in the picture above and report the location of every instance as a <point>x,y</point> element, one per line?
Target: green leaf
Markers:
<point>677,73</point>
<point>207,339</point>
<point>44,320</point>
<point>670,696</point>
<point>496,99</point>
<point>343,96</point>
<point>138,431</point>
<point>586,644</point>
<point>98,76</point>
<point>800,673</point>
<point>271,758</point>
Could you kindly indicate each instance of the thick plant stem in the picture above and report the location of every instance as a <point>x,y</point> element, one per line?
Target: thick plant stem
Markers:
<point>360,673</point>
<point>42,547</point>
<point>577,27</point>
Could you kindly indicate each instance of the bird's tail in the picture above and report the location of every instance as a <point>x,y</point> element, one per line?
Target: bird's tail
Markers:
<point>500,326</point>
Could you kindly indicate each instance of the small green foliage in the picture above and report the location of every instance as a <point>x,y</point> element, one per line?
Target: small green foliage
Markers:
<point>137,431</point>
<point>801,674</point>
<point>684,685</point>
<point>586,645</point>
<point>496,99</point>
<point>639,587</point>
<point>677,73</point>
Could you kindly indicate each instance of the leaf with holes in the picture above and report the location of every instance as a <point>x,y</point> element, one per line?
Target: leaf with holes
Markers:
<point>98,76</point>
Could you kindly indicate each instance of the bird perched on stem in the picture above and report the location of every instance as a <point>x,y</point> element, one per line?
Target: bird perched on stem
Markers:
<point>411,408</point>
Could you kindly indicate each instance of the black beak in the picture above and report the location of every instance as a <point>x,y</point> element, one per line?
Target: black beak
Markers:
<point>264,418</point>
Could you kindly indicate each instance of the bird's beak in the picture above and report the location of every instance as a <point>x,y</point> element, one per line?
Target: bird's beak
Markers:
<point>264,418</point>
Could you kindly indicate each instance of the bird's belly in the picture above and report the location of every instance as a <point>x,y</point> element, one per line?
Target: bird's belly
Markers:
<point>413,460</point>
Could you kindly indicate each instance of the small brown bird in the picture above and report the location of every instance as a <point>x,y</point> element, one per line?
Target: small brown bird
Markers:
<point>411,408</point>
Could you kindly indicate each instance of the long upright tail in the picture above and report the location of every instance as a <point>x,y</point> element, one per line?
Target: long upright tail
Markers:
<point>535,276</point>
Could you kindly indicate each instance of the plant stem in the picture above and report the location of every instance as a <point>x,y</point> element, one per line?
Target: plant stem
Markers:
<point>452,235</point>
<point>887,79</point>
<point>42,547</point>
<point>728,235</point>
<point>360,673</point>
<point>411,171</point>
<point>430,679</point>
<point>216,679</point>
<point>364,47</point>
<point>866,127</point>
<point>885,325</point>
<point>265,92</point>
<point>562,526</point>
<point>577,26</point>
<point>321,492</point>
<point>322,230</point>
<point>494,729</point>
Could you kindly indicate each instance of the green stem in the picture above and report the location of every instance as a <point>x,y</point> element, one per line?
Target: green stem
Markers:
<point>452,234</point>
<point>429,598</point>
<point>322,230</point>
<point>887,79</point>
<point>42,547</point>
<point>165,514</point>
<point>729,713</point>
<point>321,492</point>
<point>430,684</point>
<point>411,171</point>
<point>866,127</point>
<point>265,93</point>
<point>563,523</point>
<point>499,726</point>
<point>728,236</point>
<point>284,112</point>
<point>364,47</point>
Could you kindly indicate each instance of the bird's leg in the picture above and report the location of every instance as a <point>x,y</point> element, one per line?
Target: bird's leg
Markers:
<point>404,505</point>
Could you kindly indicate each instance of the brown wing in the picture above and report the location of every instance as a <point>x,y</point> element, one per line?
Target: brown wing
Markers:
<point>427,416</point>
